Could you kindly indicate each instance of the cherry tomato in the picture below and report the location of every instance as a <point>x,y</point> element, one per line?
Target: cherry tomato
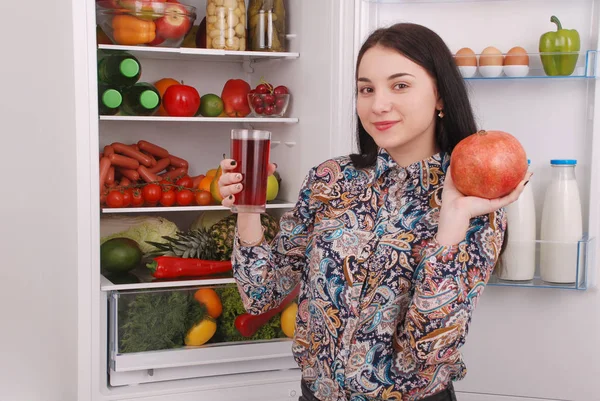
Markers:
<point>114,199</point>
<point>185,181</point>
<point>137,199</point>
<point>127,196</point>
<point>166,185</point>
<point>185,197</point>
<point>168,198</point>
<point>262,89</point>
<point>203,198</point>
<point>281,90</point>
<point>152,193</point>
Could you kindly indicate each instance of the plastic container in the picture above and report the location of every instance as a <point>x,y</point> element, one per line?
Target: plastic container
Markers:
<point>226,24</point>
<point>518,259</point>
<point>266,26</point>
<point>109,100</point>
<point>118,68</point>
<point>145,23</point>
<point>561,226</point>
<point>141,99</point>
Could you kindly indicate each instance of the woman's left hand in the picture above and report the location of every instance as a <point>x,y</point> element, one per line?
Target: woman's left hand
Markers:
<point>457,209</point>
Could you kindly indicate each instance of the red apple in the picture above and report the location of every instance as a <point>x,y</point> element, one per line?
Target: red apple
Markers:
<point>181,101</point>
<point>145,9</point>
<point>488,164</point>
<point>175,24</point>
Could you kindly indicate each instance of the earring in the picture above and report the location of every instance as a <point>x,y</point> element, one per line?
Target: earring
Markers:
<point>441,114</point>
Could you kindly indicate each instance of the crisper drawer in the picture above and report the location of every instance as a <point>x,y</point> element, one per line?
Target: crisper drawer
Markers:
<point>167,334</point>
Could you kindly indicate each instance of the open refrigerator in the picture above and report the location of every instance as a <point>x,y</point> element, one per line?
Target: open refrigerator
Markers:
<point>552,117</point>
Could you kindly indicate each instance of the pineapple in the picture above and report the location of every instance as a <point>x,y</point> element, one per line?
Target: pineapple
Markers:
<point>223,231</point>
<point>196,244</point>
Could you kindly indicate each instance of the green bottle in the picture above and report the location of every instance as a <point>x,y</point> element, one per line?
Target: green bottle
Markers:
<point>118,68</point>
<point>109,100</point>
<point>141,99</point>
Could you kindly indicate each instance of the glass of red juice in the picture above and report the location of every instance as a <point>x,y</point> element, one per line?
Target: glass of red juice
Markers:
<point>250,149</point>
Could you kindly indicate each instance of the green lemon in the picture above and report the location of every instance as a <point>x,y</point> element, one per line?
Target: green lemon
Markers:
<point>211,105</point>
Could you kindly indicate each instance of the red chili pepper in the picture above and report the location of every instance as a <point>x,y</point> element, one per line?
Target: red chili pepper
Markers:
<point>173,267</point>
<point>248,324</point>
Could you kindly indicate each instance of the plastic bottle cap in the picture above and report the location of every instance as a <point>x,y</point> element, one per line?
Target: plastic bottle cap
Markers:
<point>129,67</point>
<point>563,162</point>
<point>149,99</point>
<point>112,98</point>
<point>528,161</point>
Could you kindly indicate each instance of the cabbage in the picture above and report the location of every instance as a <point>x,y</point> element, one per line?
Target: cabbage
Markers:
<point>138,228</point>
<point>208,218</point>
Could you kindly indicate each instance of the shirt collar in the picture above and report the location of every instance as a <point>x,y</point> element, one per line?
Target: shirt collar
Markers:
<point>421,170</point>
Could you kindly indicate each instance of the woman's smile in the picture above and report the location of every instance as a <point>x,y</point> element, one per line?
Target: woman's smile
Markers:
<point>385,125</point>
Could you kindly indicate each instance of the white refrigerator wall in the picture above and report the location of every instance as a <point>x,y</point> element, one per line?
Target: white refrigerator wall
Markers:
<point>536,343</point>
<point>38,300</point>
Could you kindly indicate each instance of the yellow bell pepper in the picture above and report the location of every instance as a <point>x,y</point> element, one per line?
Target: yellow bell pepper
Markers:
<point>200,333</point>
<point>129,30</point>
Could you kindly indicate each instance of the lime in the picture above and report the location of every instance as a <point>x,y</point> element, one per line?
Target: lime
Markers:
<point>211,105</point>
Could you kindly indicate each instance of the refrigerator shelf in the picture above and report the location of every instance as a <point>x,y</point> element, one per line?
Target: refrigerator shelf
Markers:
<point>141,279</point>
<point>276,204</point>
<point>284,120</point>
<point>215,55</point>
<point>583,258</point>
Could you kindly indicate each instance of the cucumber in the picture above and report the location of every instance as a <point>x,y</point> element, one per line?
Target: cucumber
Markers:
<point>120,255</point>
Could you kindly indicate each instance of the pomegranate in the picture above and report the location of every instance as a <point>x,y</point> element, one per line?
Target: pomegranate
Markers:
<point>488,164</point>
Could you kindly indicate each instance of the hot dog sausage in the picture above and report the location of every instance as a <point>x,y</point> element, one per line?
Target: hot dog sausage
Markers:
<point>153,149</point>
<point>131,174</point>
<point>130,152</point>
<point>178,162</point>
<point>123,161</point>
<point>104,167</point>
<point>147,175</point>
<point>160,165</point>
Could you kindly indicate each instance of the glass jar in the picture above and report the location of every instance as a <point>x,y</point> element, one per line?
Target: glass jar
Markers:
<point>266,23</point>
<point>226,24</point>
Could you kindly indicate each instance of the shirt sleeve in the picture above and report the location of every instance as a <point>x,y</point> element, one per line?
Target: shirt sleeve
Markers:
<point>267,273</point>
<point>448,283</point>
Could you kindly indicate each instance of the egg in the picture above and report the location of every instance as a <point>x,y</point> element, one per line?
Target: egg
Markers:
<point>516,56</point>
<point>491,56</point>
<point>465,57</point>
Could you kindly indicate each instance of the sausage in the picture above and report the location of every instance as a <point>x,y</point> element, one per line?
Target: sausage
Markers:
<point>151,158</point>
<point>147,175</point>
<point>125,182</point>
<point>196,180</point>
<point>153,149</point>
<point>108,150</point>
<point>173,174</point>
<point>134,146</point>
<point>104,167</point>
<point>160,165</point>
<point>124,161</point>
<point>178,162</point>
<point>134,154</point>
<point>131,174</point>
<point>110,178</point>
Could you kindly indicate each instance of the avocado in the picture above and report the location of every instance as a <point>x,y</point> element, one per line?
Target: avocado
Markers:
<point>120,255</point>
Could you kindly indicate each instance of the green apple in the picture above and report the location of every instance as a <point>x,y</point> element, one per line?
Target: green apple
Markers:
<point>272,188</point>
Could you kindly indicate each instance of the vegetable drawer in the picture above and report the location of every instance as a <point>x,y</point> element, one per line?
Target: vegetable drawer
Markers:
<point>177,333</point>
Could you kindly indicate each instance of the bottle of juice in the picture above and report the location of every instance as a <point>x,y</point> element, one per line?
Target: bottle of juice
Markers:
<point>109,100</point>
<point>118,68</point>
<point>141,99</point>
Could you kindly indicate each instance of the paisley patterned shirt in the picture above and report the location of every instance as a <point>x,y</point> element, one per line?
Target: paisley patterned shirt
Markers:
<point>383,308</point>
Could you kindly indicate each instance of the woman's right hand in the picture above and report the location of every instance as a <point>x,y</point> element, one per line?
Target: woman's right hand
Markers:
<point>230,182</point>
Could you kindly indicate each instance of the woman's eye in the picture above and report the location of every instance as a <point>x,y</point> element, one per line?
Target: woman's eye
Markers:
<point>400,86</point>
<point>365,90</point>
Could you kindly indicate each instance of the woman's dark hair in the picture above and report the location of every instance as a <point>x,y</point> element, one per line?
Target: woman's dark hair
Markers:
<point>427,49</point>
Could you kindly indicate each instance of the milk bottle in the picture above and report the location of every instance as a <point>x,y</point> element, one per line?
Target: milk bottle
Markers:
<point>561,225</point>
<point>518,259</point>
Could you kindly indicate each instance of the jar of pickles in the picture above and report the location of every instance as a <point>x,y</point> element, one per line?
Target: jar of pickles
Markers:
<point>266,25</point>
<point>226,24</point>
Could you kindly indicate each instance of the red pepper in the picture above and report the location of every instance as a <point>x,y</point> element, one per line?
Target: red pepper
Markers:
<point>248,324</point>
<point>173,267</point>
<point>235,98</point>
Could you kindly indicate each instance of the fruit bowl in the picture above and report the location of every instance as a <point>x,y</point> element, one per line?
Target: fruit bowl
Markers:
<point>145,23</point>
<point>268,104</point>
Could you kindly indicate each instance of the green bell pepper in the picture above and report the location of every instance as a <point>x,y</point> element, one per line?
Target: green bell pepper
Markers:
<point>561,41</point>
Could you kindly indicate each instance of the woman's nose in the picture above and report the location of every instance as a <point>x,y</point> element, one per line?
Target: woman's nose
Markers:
<point>381,103</point>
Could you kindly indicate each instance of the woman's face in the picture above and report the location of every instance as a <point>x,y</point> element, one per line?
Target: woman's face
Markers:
<point>397,104</point>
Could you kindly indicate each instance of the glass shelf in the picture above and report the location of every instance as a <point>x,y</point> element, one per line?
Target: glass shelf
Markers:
<point>585,66</point>
<point>583,259</point>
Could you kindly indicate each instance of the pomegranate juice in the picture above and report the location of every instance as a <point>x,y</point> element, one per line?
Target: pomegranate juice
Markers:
<point>252,156</point>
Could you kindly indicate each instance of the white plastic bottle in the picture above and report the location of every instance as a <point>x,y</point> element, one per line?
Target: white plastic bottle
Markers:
<point>561,225</point>
<point>518,259</point>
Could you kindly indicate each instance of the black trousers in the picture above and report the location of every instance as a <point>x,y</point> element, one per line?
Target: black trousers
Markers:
<point>445,395</point>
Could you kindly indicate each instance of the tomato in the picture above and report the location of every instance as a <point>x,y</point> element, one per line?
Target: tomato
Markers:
<point>137,199</point>
<point>184,197</point>
<point>211,301</point>
<point>281,90</point>
<point>185,181</point>
<point>203,198</point>
<point>181,101</point>
<point>127,197</point>
<point>168,198</point>
<point>262,89</point>
<point>152,193</point>
<point>114,199</point>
